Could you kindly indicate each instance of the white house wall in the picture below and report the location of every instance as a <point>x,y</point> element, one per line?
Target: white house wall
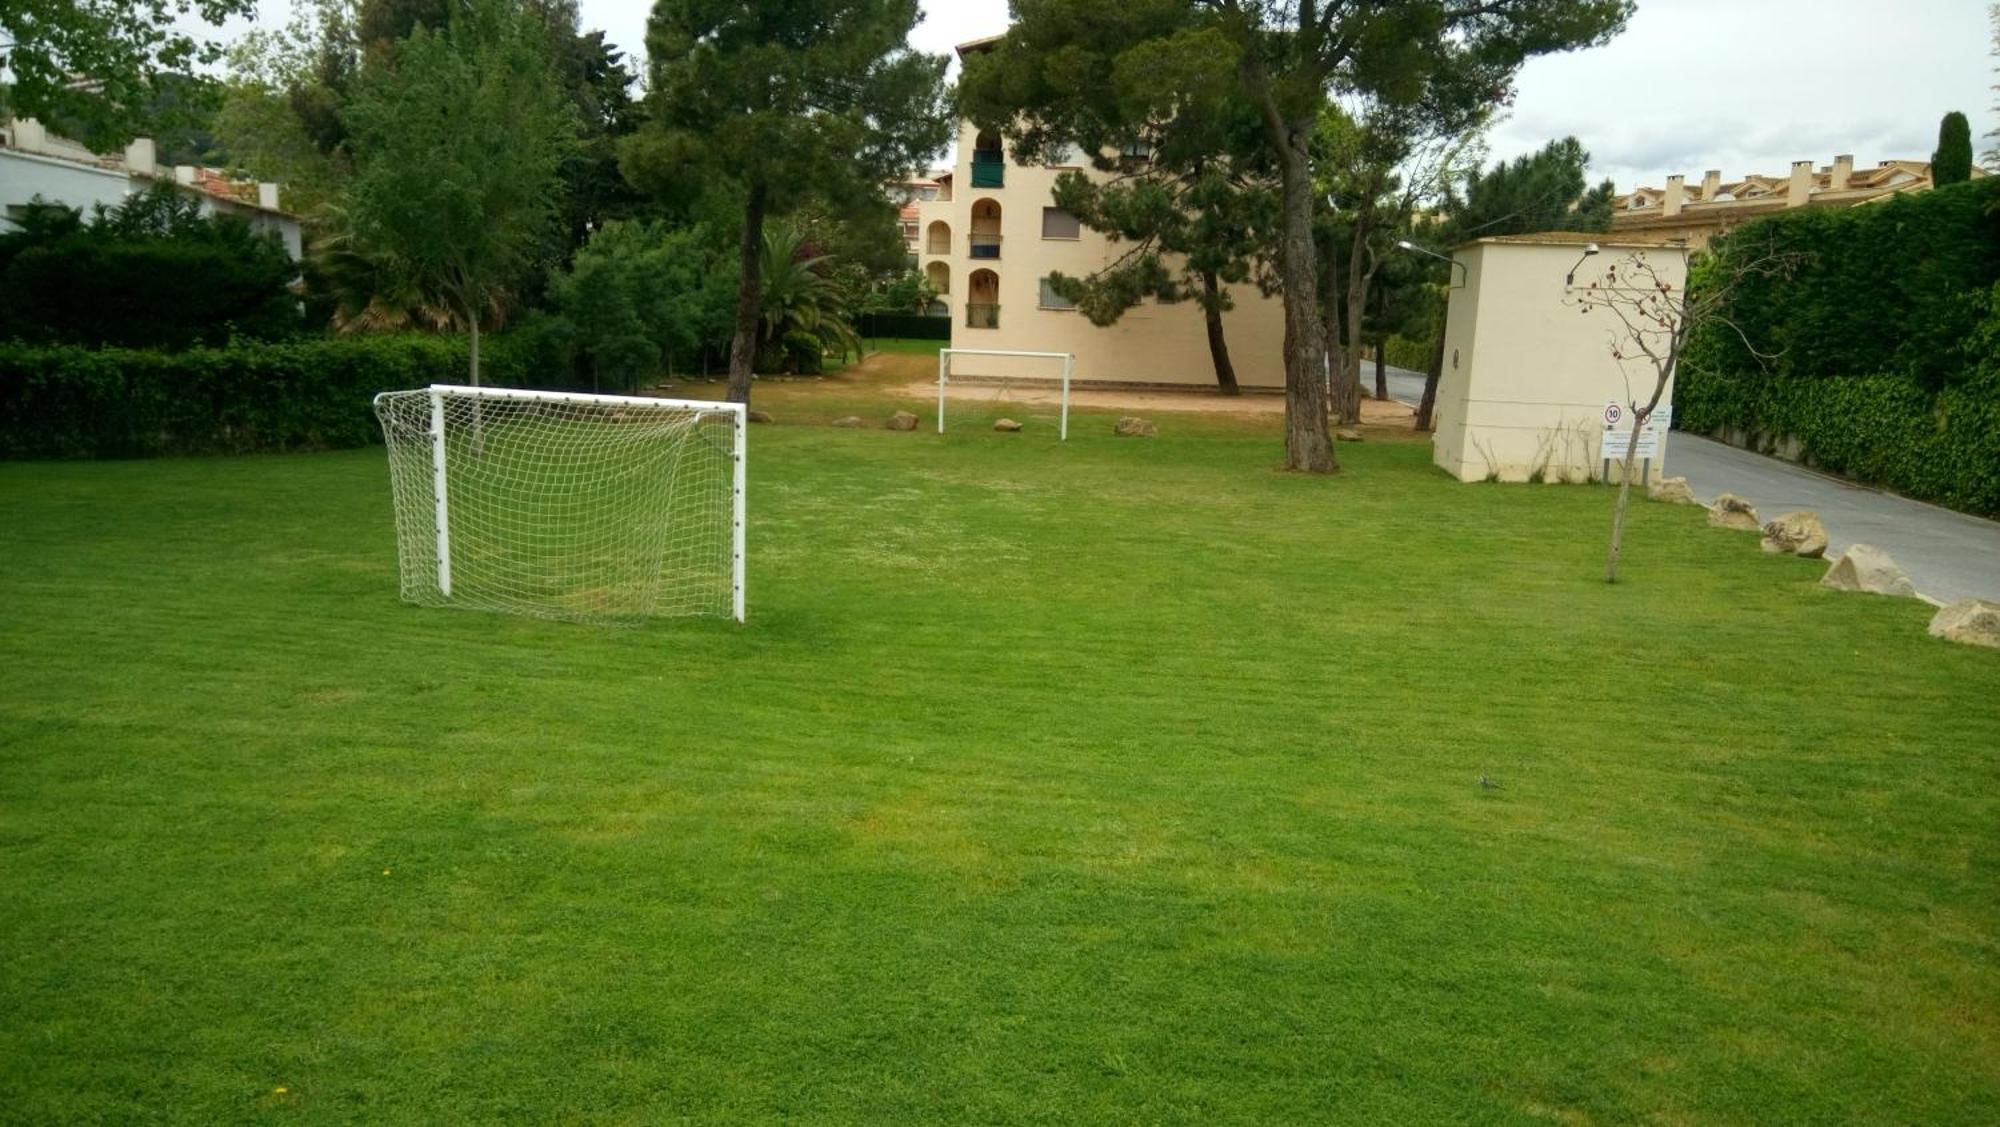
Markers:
<point>25,176</point>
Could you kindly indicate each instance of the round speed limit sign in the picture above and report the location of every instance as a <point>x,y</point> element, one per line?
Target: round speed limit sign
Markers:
<point>1612,413</point>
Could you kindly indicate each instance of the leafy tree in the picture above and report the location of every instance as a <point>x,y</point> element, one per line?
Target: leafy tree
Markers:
<point>908,292</point>
<point>1284,59</point>
<point>805,313</point>
<point>642,296</point>
<point>458,147</point>
<point>1652,322</point>
<point>1951,161</point>
<point>778,102</point>
<point>1546,190</point>
<point>122,48</point>
<point>154,272</point>
<point>280,107</point>
<point>1378,170</point>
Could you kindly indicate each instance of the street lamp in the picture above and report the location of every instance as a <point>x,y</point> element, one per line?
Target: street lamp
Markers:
<point>1408,245</point>
<point>1569,279</point>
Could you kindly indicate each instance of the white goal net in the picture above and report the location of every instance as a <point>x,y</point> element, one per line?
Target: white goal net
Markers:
<point>593,508</point>
<point>1003,383</point>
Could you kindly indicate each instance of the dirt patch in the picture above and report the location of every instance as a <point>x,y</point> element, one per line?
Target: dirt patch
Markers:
<point>1374,412</point>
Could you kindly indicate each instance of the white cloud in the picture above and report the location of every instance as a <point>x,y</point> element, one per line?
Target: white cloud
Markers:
<point>1738,85</point>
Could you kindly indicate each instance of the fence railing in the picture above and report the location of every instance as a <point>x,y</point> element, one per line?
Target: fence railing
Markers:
<point>984,246</point>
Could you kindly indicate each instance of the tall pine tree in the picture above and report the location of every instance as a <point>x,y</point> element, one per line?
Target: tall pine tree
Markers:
<point>779,102</point>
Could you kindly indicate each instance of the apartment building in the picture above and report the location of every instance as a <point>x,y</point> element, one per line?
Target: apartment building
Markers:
<point>993,235</point>
<point>1698,214</point>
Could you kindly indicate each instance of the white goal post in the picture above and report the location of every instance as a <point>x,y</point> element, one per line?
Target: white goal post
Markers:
<point>591,508</point>
<point>1068,369</point>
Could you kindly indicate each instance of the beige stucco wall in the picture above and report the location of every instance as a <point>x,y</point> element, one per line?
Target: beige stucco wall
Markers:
<point>1526,376</point>
<point>1153,343</point>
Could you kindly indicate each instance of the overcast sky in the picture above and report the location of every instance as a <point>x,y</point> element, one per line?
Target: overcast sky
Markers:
<point>1739,85</point>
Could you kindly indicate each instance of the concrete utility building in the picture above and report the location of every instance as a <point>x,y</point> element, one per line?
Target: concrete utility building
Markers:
<point>1526,373</point>
<point>993,235</point>
<point>36,164</point>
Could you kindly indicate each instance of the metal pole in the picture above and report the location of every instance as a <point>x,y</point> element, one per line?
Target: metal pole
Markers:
<point>944,362</point>
<point>1069,361</point>
<point>741,426</point>
<point>442,515</point>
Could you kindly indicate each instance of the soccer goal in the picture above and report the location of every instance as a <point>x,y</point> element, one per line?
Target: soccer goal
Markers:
<point>1068,368</point>
<point>592,508</point>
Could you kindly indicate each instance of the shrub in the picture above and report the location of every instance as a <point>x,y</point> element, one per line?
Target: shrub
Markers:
<point>152,273</point>
<point>68,402</point>
<point>909,326</point>
<point>644,299</point>
<point>1941,446</point>
<point>1406,353</point>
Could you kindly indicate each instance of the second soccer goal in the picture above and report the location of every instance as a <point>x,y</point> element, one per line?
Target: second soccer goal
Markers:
<point>593,508</point>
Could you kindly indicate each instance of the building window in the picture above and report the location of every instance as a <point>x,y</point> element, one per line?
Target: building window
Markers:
<point>1137,149</point>
<point>1069,156</point>
<point>1053,300</point>
<point>1060,224</point>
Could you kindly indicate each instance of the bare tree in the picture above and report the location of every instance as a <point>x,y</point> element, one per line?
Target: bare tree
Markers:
<point>1652,321</point>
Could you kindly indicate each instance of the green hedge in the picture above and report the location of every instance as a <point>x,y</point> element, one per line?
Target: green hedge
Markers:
<point>1412,354</point>
<point>1938,446</point>
<point>1889,429</point>
<point>66,402</point>
<point>1895,288</point>
<point>906,326</point>
<point>1881,351</point>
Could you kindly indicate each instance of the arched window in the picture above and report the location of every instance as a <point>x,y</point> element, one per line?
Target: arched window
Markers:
<point>989,162</point>
<point>982,300</point>
<point>937,239</point>
<point>984,239</point>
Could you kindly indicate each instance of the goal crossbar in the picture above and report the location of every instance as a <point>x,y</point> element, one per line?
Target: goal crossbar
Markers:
<point>525,395</point>
<point>427,464</point>
<point>1068,369</point>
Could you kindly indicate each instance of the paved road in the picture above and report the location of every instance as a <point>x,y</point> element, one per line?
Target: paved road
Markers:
<point>1948,555</point>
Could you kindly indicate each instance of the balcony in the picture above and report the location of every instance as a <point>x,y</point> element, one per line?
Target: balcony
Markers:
<point>982,316</point>
<point>983,246</point>
<point>989,170</point>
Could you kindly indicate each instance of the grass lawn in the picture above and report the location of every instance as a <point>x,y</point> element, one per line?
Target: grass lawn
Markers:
<point>1116,780</point>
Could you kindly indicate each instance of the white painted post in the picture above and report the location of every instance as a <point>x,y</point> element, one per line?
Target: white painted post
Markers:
<point>443,515</point>
<point>741,426</point>
<point>944,363</point>
<point>1069,362</point>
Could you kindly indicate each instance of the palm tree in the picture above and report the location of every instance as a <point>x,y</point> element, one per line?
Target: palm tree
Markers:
<point>366,290</point>
<point>806,315</point>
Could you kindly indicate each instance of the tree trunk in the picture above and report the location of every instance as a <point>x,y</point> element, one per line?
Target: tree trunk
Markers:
<point>1218,348</point>
<point>1624,494</point>
<point>1427,406</point>
<point>1329,312</point>
<point>1308,440</point>
<point>1349,383</point>
<point>1382,370</point>
<point>749,297</point>
<point>472,319</point>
